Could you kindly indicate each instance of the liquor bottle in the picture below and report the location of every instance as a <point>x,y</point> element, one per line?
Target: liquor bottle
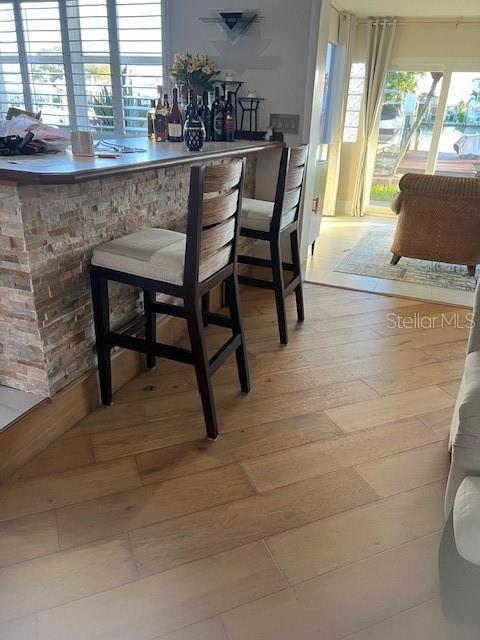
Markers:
<point>204,113</point>
<point>175,120</point>
<point>217,117</point>
<point>183,101</point>
<point>161,119</point>
<point>151,120</point>
<point>229,119</point>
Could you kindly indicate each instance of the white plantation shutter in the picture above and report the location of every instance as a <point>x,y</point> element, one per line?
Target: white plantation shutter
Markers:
<point>139,27</point>
<point>11,87</point>
<point>86,64</point>
<point>42,42</point>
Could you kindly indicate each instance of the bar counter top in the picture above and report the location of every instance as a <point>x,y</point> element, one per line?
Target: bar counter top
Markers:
<point>64,168</point>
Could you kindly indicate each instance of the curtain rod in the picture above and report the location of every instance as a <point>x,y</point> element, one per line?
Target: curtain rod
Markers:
<point>364,20</point>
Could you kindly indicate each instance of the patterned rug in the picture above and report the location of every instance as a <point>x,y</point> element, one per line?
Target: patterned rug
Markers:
<point>371,257</point>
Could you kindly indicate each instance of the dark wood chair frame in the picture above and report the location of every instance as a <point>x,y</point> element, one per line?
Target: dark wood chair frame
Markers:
<point>274,237</point>
<point>191,292</point>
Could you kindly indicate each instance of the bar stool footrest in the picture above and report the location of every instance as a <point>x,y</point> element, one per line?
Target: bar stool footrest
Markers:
<point>263,262</point>
<point>218,320</point>
<point>224,352</point>
<point>114,339</point>
<point>256,282</point>
<point>293,284</point>
<point>167,309</point>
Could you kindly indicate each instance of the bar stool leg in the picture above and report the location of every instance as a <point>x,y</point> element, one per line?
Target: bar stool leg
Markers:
<point>297,271</point>
<point>150,325</point>
<point>205,307</point>
<point>279,289</point>
<point>101,318</point>
<point>237,329</point>
<point>194,318</point>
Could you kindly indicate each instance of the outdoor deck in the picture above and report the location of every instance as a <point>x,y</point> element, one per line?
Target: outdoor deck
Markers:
<point>447,163</point>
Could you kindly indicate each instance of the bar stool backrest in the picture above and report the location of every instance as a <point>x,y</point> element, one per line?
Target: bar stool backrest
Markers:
<point>289,185</point>
<point>213,225</point>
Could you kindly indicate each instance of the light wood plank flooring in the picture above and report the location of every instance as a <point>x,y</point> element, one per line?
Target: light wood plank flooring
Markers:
<point>317,515</point>
<point>339,234</point>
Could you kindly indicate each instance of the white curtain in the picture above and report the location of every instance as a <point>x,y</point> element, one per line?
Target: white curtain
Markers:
<point>380,37</point>
<point>341,77</point>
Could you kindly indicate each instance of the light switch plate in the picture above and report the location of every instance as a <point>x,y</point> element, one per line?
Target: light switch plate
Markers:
<point>285,122</point>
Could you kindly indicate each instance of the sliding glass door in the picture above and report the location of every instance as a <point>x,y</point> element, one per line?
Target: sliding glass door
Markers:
<point>429,123</point>
<point>459,144</point>
<point>405,131</point>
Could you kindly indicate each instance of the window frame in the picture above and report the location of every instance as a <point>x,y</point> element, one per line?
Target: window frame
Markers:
<point>76,89</point>
<point>360,93</point>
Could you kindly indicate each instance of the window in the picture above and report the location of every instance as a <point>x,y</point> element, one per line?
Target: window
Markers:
<point>326,116</point>
<point>354,102</point>
<point>85,64</point>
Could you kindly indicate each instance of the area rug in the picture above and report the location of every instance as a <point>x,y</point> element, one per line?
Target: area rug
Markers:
<point>371,257</point>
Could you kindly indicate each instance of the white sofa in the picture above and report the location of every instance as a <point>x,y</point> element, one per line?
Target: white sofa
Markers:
<point>464,442</point>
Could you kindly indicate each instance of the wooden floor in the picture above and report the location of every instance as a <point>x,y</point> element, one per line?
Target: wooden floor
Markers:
<point>316,515</point>
<point>339,234</point>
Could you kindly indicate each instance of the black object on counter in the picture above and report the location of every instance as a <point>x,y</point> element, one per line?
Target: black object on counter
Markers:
<point>16,145</point>
<point>193,130</point>
<point>204,113</point>
<point>217,117</point>
<point>229,119</point>
<point>249,107</point>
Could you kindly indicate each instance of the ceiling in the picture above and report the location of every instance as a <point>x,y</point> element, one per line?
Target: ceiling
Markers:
<point>412,8</point>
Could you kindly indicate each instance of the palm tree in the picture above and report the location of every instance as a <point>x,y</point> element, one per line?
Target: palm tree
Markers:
<point>421,113</point>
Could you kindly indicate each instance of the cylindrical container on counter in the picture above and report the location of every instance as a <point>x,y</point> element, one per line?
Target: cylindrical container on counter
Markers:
<point>82,143</point>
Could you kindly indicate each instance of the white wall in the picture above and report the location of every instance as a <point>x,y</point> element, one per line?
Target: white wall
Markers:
<point>277,57</point>
<point>270,57</point>
<point>430,42</point>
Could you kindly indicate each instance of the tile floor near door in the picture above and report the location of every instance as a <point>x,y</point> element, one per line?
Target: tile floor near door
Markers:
<point>317,515</point>
<point>14,403</point>
<point>338,235</point>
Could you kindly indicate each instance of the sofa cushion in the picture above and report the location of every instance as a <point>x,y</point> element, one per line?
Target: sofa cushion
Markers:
<point>474,337</point>
<point>466,519</point>
<point>465,430</point>
<point>469,400</point>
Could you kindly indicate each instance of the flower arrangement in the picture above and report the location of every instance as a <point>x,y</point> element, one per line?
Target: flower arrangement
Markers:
<point>193,70</point>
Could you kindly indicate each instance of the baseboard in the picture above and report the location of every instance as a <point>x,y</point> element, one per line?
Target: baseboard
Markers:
<point>343,208</point>
<point>30,434</point>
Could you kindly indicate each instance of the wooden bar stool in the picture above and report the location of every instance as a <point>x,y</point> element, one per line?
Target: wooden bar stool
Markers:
<point>187,267</point>
<point>272,221</point>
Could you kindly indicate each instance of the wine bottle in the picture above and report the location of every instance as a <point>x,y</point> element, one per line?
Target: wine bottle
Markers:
<point>151,120</point>
<point>229,119</point>
<point>204,113</point>
<point>175,120</point>
<point>183,101</point>
<point>217,117</point>
<point>162,113</point>
<point>191,109</point>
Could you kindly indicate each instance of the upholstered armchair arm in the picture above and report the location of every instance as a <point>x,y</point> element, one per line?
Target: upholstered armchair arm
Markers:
<point>395,203</point>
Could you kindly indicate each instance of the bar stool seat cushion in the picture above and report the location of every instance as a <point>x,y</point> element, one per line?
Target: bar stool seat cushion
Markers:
<point>257,215</point>
<point>152,253</point>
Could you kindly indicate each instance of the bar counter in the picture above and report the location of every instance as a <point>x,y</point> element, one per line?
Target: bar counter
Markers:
<point>64,168</point>
<point>54,209</point>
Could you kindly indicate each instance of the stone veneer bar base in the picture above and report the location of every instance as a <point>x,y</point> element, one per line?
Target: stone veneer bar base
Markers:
<point>35,430</point>
<point>48,233</point>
